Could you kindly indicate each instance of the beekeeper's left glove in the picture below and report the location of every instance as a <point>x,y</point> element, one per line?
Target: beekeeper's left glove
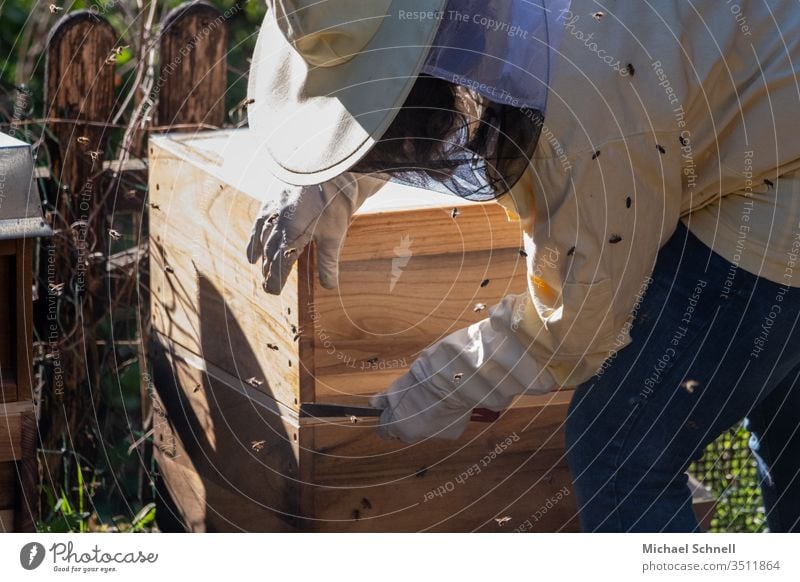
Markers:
<point>289,220</point>
<point>483,366</point>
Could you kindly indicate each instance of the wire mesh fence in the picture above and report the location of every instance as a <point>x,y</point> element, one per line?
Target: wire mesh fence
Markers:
<point>728,469</point>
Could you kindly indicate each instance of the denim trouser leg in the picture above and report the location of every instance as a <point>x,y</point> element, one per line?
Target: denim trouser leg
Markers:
<point>774,426</point>
<point>711,345</point>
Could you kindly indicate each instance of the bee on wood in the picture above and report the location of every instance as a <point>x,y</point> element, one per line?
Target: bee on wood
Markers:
<point>501,521</point>
<point>155,206</point>
<point>272,347</point>
<point>479,307</point>
<point>454,213</point>
<point>169,269</point>
<point>660,149</point>
<point>596,155</point>
<point>297,335</point>
<point>630,69</point>
<point>196,387</point>
<point>522,253</point>
<point>769,183</point>
<point>242,105</point>
<point>485,282</point>
<point>615,239</point>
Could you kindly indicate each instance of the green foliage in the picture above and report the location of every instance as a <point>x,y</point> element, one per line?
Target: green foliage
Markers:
<point>729,470</point>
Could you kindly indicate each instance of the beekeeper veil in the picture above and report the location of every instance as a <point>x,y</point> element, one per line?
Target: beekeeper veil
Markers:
<point>477,138</point>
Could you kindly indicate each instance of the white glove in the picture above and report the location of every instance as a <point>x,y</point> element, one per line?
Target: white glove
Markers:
<point>285,226</point>
<point>485,365</point>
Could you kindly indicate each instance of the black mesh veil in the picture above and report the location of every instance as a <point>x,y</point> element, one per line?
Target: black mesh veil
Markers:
<point>450,139</point>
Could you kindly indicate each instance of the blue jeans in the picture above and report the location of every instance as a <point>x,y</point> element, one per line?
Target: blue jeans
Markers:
<point>712,344</point>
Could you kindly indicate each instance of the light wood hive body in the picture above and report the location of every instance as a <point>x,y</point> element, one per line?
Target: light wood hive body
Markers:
<point>228,373</point>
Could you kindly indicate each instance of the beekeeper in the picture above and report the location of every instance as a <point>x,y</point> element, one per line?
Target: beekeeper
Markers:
<point>649,151</point>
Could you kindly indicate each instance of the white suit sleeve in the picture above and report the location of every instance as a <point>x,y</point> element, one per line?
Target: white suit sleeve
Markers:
<point>485,365</point>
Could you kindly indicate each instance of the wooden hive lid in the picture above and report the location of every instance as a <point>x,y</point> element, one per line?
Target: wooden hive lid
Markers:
<point>232,157</point>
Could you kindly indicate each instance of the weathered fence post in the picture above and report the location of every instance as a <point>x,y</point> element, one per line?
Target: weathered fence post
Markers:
<point>193,70</point>
<point>79,97</point>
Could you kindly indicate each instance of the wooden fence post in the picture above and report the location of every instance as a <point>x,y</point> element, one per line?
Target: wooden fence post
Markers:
<point>193,70</point>
<point>79,89</point>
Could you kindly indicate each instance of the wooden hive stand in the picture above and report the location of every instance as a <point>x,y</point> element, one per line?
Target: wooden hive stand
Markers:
<point>20,221</point>
<point>231,364</point>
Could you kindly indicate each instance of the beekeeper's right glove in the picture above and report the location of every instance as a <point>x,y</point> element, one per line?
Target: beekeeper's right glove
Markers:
<point>289,220</point>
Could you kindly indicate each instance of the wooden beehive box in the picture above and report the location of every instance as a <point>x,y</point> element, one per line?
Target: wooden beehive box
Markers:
<point>20,221</point>
<point>229,375</point>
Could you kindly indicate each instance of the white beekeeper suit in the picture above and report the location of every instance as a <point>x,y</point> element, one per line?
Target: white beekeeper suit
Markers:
<point>654,113</point>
